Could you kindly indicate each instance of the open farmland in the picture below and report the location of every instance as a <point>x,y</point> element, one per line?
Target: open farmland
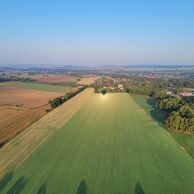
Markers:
<point>51,78</point>
<point>12,96</point>
<point>38,86</point>
<point>56,79</point>
<point>88,80</point>
<point>14,120</point>
<point>185,140</point>
<point>108,145</point>
<point>36,134</point>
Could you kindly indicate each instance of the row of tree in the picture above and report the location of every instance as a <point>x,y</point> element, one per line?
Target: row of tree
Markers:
<point>179,109</point>
<point>61,99</point>
<point>143,90</point>
<point>4,78</point>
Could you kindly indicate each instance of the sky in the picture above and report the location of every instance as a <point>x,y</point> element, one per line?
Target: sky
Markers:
<point>97,32</point>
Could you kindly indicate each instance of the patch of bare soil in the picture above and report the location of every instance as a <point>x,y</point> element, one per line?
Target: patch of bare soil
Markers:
<point>14,96</point>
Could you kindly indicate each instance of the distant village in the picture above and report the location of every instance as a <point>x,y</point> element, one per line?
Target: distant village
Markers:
<point>112,85</point>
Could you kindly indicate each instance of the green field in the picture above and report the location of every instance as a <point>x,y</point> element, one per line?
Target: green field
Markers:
<point>110,146</point>
<point>37,86</point>
<point>148,104</point>
<point>185,140</point>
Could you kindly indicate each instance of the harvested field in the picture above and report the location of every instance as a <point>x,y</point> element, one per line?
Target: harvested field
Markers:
<point>37,86</point>
<point>12,96</point>
<point>14,120</point>
<point>52,78</point>
<point>56,79</point>
<point>87,75</point>
<point>87,80</point>
<point>29,140</point>
<point>109,146</point>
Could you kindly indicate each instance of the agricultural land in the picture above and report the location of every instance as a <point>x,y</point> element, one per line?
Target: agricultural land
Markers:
<point>104,144</point>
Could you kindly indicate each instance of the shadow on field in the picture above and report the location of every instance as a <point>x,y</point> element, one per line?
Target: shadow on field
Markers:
<point>139,189</point>
<point>18,186</point>
<point>82,189</point>
<point>42,189</point>
<point>5,180</point>
<point>157,114</point>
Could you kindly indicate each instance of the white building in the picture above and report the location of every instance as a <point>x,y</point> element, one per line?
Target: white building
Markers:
<point>120,87</point>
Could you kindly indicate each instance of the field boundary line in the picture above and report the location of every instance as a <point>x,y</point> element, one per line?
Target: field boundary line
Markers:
<point>35,135</point>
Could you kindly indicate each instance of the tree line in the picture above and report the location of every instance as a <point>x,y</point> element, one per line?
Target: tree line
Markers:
<point>61,99</point>
<point>179,109</point>
<point>4,78</point>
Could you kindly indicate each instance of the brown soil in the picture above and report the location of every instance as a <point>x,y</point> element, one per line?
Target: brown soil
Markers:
<point>14,120</point>
<point>51,78</point>
<point>87,80</point>
<point>13,96</point>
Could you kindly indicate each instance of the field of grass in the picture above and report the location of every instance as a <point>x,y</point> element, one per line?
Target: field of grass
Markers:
<point>110,146</point>
<point>185,140</point>
<point>148,104</point>
<point>38,86</point>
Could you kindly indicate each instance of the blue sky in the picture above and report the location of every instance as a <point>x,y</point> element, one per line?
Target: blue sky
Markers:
<point>91,32</point>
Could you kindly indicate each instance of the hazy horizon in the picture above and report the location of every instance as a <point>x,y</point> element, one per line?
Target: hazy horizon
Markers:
<point>97,33</point>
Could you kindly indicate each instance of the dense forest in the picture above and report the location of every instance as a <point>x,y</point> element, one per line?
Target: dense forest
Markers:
<point>181,112</point>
